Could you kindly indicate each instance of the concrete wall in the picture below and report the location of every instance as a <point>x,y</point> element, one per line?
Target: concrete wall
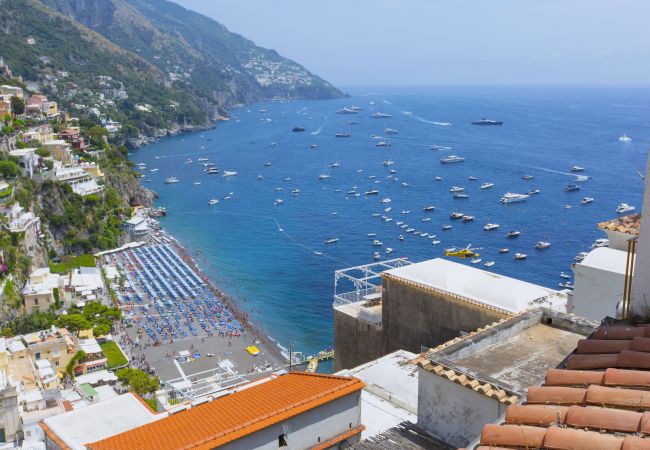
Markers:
<point>308,429</point>
<point>355,341</point>
<point>415,317</point>
<point>641,283</point>
<point>596,292</point>
<point>452,412</point>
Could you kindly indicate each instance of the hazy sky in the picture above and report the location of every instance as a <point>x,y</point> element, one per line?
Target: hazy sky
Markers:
<point>430,42</point>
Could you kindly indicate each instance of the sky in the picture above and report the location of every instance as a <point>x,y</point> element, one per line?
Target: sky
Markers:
<point>450,42</point>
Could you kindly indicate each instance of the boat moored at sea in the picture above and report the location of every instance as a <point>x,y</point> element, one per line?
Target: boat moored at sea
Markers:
<point>229,173</point>
<point>451,159</point>
<point>491,226</point>
<point>342,134</point>
<point>625,138</point>
<point>511,197</point>
<point>513,234</point>
<point>171,180</point>
<point>456,215</point>
<point>624,208</point>
<point>213,201</point>
<point>487,185</point>
<point>586,200</point>
<point>346,111</point>
<point>520,256</point>
<point>456,189</point>
<point>428,208</point>
<point>577,169</point>
<point>383,144</point>
<point>487,122</point>
<point>571,188</point>
<point>297,129</point>
<point>541,245</point>
<point>390,131</point>
<point>371,192</point>
<point>332,240</point>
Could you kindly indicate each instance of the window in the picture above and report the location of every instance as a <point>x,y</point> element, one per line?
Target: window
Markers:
<point>37,355</point>
<point>35,302</point>
<point>282,442</point>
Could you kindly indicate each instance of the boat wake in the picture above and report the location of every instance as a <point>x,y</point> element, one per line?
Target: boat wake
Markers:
<point>432,122</point>
<point>317,132</point>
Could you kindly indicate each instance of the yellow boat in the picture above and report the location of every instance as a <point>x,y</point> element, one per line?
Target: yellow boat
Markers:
<point>253,350</point>
<point>313,365</point>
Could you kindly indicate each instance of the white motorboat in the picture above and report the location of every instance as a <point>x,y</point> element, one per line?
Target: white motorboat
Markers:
<point>278,201</point>
<point>267,164</point>
<point>461,195</point>
<point>510,197</point>
<point>202,159</point>
<point>472,178</point>
<point>426,219</point>
<point>586,200</point>
<point>372,235</point>
<point>401,238</point>
<point>331,240</point>
<point>533,192</point>
<point>385,200</point>
<point>389,250</point>
<point>504,250</point>
<point>189,161</point>
<point>491,226</point>
<point>487,185</point>
<point>388,162</point>
<point>405,212</point>
<point>336,164</point>
<point>428,208</point>
<point>383,144</point>
<point>520,256</point>
<point>566,276</point>
<point>171,180</point>
<point>566,285</point>
<point>541,245</point>
<point>196,183</point>
<point>624,208</point>
<point>580,256</point>
<point>467,218</point>
<point>456,189</point>
<point>625,138</point>
<point>295,191</point>
<point>456,215</point>
<point>451,159</point>
<point>602,242</point>
<point>391,131</point>
<point>227,173</point>
<point>577,169</point>
<point>580,178</point>
<point>154,170</point>
<point>372,192</point>
<point>489,264</point>
<point>475,261</point>
<point>513,234</point>
<point>446,227</point>
<point>213,201</point>
<point>324,176</point>
<point>438,178</point>
<point>527,177</point>
<point>345,111</point>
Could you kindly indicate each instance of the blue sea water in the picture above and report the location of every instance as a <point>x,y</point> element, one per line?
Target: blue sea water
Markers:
<point>277,276</point>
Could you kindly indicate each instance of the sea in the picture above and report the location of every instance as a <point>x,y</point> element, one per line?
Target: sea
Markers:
<point>266,247</point>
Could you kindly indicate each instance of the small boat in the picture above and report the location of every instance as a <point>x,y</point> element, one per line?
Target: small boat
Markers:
<point>625,138</point>
<point>451,159</point>
<point>388,163</point>
<point>577,169</point>
<point>295,191</point>
<point>379,115</point>
<point>456,189</point>
<point>487,122</point>
<point>580,178</point>
<point>376,214</point>
<point>541,245</point>
<point>580,256</point>
<point>371,234</point>
<point>438,178</point>
<point>278,201</point>
<point>228,173</point>
<point>401,238</point>
<point>227,197</point>
<point>513,234</point>
<point>472,178</point>
<point>624,208</point>
<point>389,209</point>
<point>510,197</point>
<point>566,285</point>
<point>389,250</point>
<point>571,188</point>
<point>171,180</point>
<point>446,227</point>
<point>287,179</point>
<point>331,240</point>
<point>520,256</point>
<point>154,170</point>
<point>390,131</point>
<point>428,208</point>
<point>372,192</point>
<point>435,242</point>
<point>313,146</point>
<point>527,177</point>
<point>377,243</point>
<point>491,226</point>
<point>189,161</point>
<point>586,200</point>
<point>213,201</point>
<point>343,134</point>
<point>602,242</point>
<point>405,184</point>
<point>456,215</point>
<point>259,177</point>
<point>405,211</point>
<point>203,159</point>
<point>392,171</point>
<point>504,250</point>
<point>336,164</point>
<point>324,176</point>
<point>426,219</point>
<point>345,111</point>
<point>297,129</point>
<point>385,200</point>
<point>196,183</point>
<point>318,253</point>
<point>267,164</point>
<point>476,261</point>
<point>461,195</point>
<point>489,264</point>
<point>566,276</point>
<point>567,206</point>
<point>382,144</point>
<point>212,171</point>
<point>468,218</point>
<point>533,192</point>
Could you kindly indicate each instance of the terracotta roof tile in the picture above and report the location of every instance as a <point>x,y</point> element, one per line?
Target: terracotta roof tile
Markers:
<point>625,224</point>
<point>556,395</point>
<point>590,346</point>
<point>236,415</point>
<point>582,362</point>
<point>490,447</point>
<point>618,398</point>
<point>633,360</point>
<point>628,378</point>
<point>512,436</point>
<point>641,344</point>
<point>544,415</point>
<point>603,419</point>
<point>620,332</point>
<point>565,377</point>
<point>571,439</point>
<point>635,443</point>
<point>644,426</point>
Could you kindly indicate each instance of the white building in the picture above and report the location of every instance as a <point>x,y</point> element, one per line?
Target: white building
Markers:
<point>28,160</point>
<point>86,284</point>
<point>38,293</point>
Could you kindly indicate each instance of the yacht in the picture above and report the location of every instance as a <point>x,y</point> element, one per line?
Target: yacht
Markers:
<point>343,134</point>
<point>446,227</point>
<point>213,201</point>
<point>456,189</point>
<point>372,192</point>
<point>460,195</point>
<point>371,235</point>
<point>571,188</point>
<point>541,245</point>
<point>624,208</point>
<point>451,159</point>
<point>377,243</point>
<point>491,226</point>
<point>295,191</point>
<point>489,264</point>
<point>196,183</point>
<point>472,178</point>
<point>533,192</point>
<point>487,122</point>
<point>467,218</point>
<point>602,242</point>
<point>297,129</point>
<point>405,184</point>
<point>520,256</point>
<point>428,208</point>
<point>567,206</point>
<point>382,144</point>
<point>212,171</point>
<point>625,138</point>
<point>379,115</point>
<point>586,200</point>
<point>391,131</point>
<point>510,197</point>
<point>227,173</point>
<point>456,215</point>
<point>324,176</point>
<point>171,180</point>
<point>487,185</point>
<point>267,164</point>
<point>331,240</point>
<point>287,179</point>
<point>392,171</point>
<point>388,163</point>
<point>513,234</point>
<point>527,177</point>
<point>228,197</point>
<point>346,111</point>
<point>577,169</point>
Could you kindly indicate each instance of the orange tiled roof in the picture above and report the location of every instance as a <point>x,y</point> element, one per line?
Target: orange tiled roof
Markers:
<point>625,224</point>
<point>600,399</point>
<point>236,415</point>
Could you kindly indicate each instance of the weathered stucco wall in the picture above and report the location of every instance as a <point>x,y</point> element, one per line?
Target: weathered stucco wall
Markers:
<point>355,342</point>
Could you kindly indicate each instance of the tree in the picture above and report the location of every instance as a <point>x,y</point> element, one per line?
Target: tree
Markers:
<point>73,362</point>
<point>101,330</point>
<point>9,168</point>
<point>138,380</point>
<point>73,322</point>
<point>17,106</point>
